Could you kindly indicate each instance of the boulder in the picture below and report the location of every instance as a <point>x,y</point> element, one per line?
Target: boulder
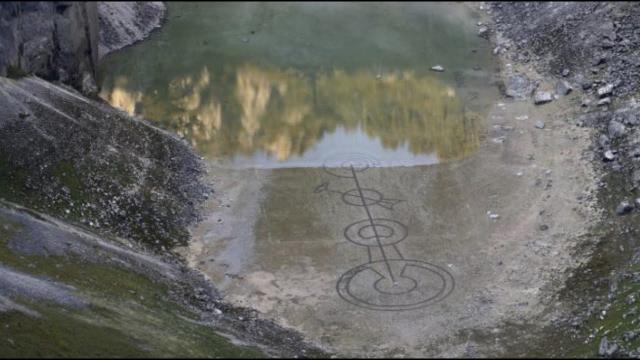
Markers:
<point>616,129</point>
<point>563,88</point>
<point>518,86</point>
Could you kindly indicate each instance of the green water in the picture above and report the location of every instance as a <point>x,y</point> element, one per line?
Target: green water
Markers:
<point>283,84</point>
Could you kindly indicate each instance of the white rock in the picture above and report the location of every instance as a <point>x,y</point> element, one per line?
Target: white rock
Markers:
<point>605,90</point>
<point>609,155</point>
<point>542,97</point>
<point>605,101</point>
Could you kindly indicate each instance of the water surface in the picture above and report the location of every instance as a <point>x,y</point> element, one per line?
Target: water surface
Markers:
<point>271,85</point>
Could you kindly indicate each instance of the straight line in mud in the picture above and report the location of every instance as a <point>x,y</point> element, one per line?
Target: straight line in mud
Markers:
<point>410,284</point>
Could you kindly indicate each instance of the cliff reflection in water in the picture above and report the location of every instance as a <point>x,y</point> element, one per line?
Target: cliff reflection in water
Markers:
<point>284,113</point>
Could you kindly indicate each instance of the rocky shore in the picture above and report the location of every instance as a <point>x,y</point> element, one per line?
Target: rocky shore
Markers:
<point>591,48</point>
<point>124,23</point>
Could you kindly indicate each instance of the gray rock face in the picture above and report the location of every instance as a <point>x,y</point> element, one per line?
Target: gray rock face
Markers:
<point>542,97</point>
<point>518,87</point>
<point>61,41</point>
<point>54,40</point>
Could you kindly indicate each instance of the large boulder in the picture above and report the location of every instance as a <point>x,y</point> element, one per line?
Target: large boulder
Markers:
<point>518,86</point>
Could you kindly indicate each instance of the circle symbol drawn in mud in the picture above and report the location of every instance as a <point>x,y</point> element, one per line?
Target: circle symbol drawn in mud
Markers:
<point>378,232</point>
<point>419,284</point>
<point>343,165</point>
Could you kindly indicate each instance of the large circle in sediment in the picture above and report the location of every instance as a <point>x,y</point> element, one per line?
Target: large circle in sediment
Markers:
<point>416,284</point>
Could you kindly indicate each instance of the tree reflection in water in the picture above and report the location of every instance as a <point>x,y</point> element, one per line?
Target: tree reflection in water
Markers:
<point>284,113</point>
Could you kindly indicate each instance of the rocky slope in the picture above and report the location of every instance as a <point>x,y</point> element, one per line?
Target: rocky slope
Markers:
<point>123,23</point>
<point>91,201</point>
<point>591,48</point>
<point>85,161</point>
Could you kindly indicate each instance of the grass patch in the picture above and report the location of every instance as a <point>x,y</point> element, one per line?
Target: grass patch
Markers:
<point>130,315</point>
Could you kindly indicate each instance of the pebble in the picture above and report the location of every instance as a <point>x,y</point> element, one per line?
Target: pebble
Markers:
<point>609,155</point>
<point>437,68</point>
<point>542,97</point>
<point>605,101</point>
<point>563,87</point>
<point>605,90</point>
<point>539,124</point>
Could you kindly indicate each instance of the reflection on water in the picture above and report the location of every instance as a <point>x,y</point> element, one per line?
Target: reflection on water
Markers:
<point>255,113</point>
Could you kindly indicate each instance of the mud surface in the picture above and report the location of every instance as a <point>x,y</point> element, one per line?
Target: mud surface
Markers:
<point>297,245</point>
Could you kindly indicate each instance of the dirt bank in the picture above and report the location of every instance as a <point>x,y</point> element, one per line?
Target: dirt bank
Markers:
<point>593,48</point>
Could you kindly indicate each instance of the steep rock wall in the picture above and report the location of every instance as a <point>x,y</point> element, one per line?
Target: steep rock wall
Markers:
<point>57,41</point>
